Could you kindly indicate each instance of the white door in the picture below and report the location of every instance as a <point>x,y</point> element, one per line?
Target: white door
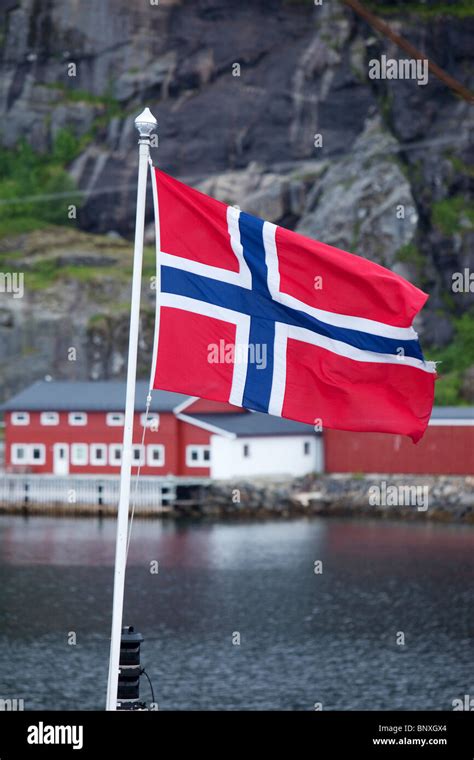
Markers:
<point>61,459</point>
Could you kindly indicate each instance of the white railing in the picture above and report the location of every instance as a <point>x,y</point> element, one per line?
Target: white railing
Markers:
<point>25,491</point>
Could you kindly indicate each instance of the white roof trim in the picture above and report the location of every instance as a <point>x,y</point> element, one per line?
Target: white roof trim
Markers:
<point>461,422</point>
<point>184,404</point>
<point>206,426</point>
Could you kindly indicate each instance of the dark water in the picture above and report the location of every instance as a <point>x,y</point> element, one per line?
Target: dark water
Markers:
<point>305,638</point>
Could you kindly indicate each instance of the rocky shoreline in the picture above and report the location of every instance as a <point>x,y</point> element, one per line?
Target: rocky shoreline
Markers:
<point>434,498</point>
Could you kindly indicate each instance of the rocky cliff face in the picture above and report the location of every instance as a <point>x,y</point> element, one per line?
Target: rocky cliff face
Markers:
<point>241,92</point>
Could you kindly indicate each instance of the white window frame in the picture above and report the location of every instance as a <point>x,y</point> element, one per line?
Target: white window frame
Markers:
<point>49,418</point>
<point>20,418</point>
<point>14,455</point>
<point>152,417</point>
<point>113,447</point>
<point>75,460</point>
<point>28,459</point>
<point>42,449</point>
<point>77,422</point>
<point>200,461</point>
<point>149,455</point>
<point>138,462</point>
<point>115,419</point>
<point>93,458</point>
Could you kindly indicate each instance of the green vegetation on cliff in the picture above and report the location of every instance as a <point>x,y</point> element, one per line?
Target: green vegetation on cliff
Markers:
<point>454,360</point>
<point>56,255</point>
<point>106,101</point>
<point>453,215</point>
<point>26,174</point>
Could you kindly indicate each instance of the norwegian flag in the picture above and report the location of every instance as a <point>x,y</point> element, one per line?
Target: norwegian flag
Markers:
<point>256,315</point>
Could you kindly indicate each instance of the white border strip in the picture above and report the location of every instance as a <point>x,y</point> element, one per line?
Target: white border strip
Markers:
<point>358,354</point>
<point>242,278</point>
<point>331,318</point>
<point>277,394</point>
<point>233,216</point>
<point>242,333</point>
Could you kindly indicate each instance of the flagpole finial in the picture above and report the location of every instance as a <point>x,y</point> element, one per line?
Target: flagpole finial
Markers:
<point>145,123</point>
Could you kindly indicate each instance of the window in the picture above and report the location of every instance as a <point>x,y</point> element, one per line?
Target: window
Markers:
<point>79,453</point>
<point>153,420</point>
<point>246,450</point>
<point>115,419</point>
<point>306,448</point>
<point>197,456</point>
<point>99,454</point>
<point>37,453</point>
<point>77,418</point>
<point>155,455</point>
<point>20,418</point>
<point>138,455</point>
<point>49,418</point>
<point>115,454</point>
<point>19,453</point>
<point>34,453</point>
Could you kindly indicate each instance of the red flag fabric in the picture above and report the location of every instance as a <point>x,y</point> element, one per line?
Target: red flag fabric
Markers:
<point>264,318</point>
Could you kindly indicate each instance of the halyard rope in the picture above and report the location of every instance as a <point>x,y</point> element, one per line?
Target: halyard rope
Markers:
<point>137,476</point>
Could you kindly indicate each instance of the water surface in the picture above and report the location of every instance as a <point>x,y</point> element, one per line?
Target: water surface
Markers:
<point>304,637</point>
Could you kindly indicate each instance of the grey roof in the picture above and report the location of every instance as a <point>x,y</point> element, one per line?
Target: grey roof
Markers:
<point>453,413</point>
<point>93,396</point>
<point>109,395</point>
<point>254,423</point>
<point>257,423</point>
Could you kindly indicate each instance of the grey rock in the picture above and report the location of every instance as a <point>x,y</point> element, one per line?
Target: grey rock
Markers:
<point>468,384</point>
<point>136,82</point>
<point>354,205</point>
<point>267,195</point>
<point>85,260</point>
<point>6,318</point>
<point>245,139</point>
<point>77,118</point>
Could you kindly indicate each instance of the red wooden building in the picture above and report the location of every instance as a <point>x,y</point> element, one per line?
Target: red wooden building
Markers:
<point>77,428</point>
<point>447,448</point>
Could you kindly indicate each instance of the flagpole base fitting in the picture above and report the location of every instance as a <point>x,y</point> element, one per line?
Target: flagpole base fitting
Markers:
<point>128,692</point>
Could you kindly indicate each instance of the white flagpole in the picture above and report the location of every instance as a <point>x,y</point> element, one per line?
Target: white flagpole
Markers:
<point>145,123</point>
